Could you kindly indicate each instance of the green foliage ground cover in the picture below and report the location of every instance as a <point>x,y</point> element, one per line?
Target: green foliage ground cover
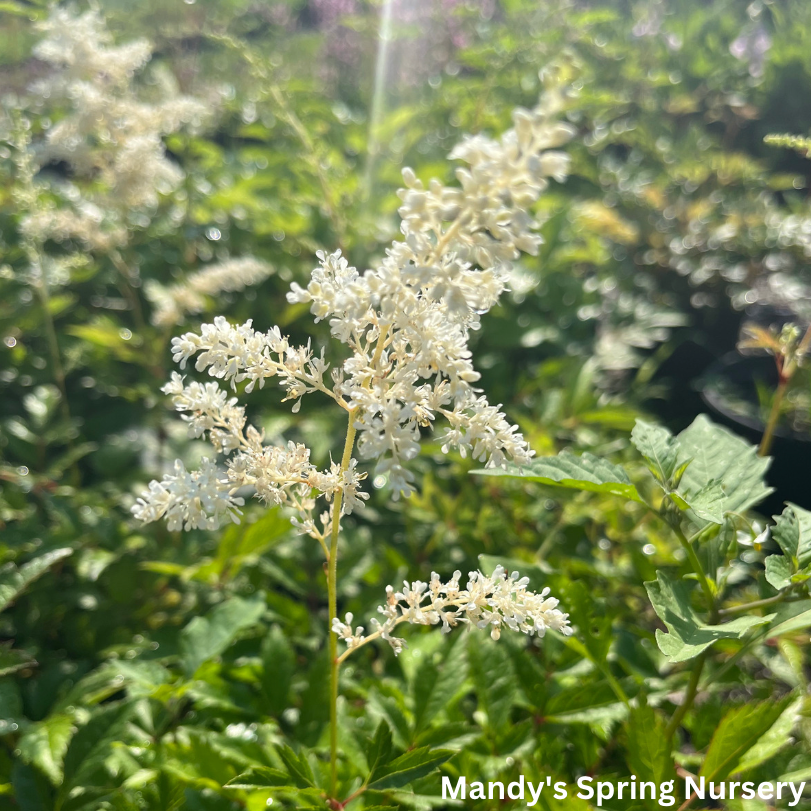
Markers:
<point>141,668</point>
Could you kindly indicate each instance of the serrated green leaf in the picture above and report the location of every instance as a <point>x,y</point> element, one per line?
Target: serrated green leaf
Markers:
<point>278,667</point>
<point>45,743</point>
<point>242,542</point>
<point>594,703</point>
<point>592,621</point>
<point>298,767</point>
<point>739,730</point>
<point>410,766</point>
<point>493,679</point>
<point>208,636</point>
<point>378,753</point>
<point>586,472</point>
<point>718,455</point>
<point>260,777</point>
<point>436,684</point>
<point>708,503</point>
<point>14,580</point>
<point>778,571</point>
<point>792,531</point>
<point>392,711</point>
<point>649,747</point>
<point>688,635</point>
<point>775,739</point>
<point>659,447</point>
<point>90,746</point>
<point>790,617</point>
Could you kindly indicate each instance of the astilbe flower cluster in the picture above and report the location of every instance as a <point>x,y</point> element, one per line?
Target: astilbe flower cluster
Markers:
<point>108,135</point>
<point>486,602</point>
<point>406,325</point>
<point>172,303</point>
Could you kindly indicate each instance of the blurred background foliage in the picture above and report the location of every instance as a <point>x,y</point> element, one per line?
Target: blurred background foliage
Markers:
<point>144,669</point>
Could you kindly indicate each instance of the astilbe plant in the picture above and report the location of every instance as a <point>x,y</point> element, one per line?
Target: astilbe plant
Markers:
<point>406,325</point>
<point>110,136</point>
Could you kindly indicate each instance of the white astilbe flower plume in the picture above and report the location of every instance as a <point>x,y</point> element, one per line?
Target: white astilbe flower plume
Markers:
<point>405,324</point>
<point>109,135</point>
<point>499,601</point>
<point>172,303</point>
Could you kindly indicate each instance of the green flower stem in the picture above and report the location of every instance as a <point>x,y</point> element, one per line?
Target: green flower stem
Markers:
<point>332,582</point>
<point>576,645</point>
<point>774,416</point>
<point>778,598</point>
<point>41,287</point>
<point>332,588</point>
<point>689,698</point>
<point>129,291</point>
<point>709,591</point>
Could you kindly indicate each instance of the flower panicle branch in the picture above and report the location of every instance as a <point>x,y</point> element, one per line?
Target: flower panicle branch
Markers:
<point>406,326</point>
<point>502,600</point>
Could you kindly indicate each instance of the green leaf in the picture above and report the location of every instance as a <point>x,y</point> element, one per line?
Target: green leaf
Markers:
<point>493,679</point>
<point>240,543</point>
<point>778,571</point>
<point>30,789</point>
<point>436,684</point>
<point>591,619</point>
<point>718,455</point>
<point>206,637</point>
<point>792,531</point>
<point>593,703</point>
<point>45,743</point>
<point>378,753</point>
<point>14,580</point>
<point>259,777</point>
<point>298,766</point>
<point>13,660</point>
<point>777,737</point>
<point>739,730</point>
<point>410,766</point>
<point>790,617</point>
<point>278,667</point>
<point>648,746</point>
<point>90,746</point>
<point>391,709</point>
<point>688,635</point>
<point>11,703</point>
<point>659,447</point>
<point>708,503</point>
<point>586,472</point>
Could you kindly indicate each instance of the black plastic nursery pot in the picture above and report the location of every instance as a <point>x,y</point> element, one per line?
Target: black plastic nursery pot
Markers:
<point>729,389</point>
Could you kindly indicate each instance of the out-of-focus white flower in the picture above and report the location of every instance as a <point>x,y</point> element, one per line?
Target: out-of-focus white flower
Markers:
<point>108,135</point>
<point>172,303</point>
<point>499,601</point>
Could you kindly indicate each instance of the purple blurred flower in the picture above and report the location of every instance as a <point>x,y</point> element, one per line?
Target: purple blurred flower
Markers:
<point>752,46</point>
